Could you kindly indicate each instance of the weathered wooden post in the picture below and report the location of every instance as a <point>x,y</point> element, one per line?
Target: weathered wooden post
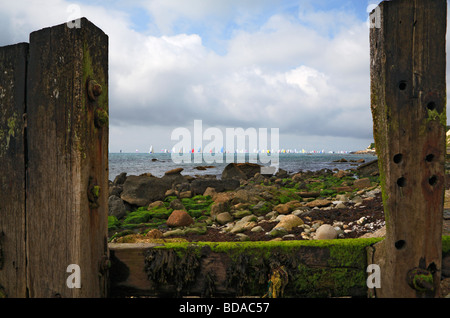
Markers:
<point>54,164</point>
<point>408,101</point>
<point>13,59</point>
<point>67,177</point>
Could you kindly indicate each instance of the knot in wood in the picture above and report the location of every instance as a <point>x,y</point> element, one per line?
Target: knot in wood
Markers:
<point>94,90</point>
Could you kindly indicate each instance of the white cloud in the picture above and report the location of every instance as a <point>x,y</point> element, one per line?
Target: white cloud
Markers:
<point>285,73</point>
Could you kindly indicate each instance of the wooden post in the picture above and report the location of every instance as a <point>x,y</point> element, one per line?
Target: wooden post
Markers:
<point>408,102</point>
<point>13,59</point>
<point>67,177</point>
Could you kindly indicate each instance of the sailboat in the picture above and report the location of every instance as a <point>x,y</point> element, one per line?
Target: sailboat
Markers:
<point>151,149</point>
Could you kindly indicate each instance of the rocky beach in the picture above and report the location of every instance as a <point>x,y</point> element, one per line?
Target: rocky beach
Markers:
<point>244,205</point>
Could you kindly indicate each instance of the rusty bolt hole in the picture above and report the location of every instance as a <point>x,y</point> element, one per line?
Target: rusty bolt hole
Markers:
<point>431,105</point>
<point>401,182</point>
<point>433,180</point>
<point>400,244</point>
<point>398,158</point>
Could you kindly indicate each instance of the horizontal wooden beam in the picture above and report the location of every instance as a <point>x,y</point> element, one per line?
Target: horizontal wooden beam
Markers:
<point>272,269</point>
<point>332,268</point>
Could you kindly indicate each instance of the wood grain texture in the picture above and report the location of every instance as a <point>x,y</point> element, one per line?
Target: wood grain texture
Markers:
<point>67,156</point>
<point>332,268</point>
<point>408,102</point>
<point>13,59</point>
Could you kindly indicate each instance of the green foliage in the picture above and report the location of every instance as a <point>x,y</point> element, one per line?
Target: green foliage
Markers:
<point>198,205</point>
<point>328,193</point>
<point>113,222</point>
<point>142,215</point>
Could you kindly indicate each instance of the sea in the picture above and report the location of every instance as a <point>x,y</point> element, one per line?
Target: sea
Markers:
<point>158,163</point>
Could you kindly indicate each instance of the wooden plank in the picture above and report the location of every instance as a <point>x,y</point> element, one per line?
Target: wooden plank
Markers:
<point>332,268</point>
<point>67,182</point>
<point>13,59</point>
<point>408,102</point>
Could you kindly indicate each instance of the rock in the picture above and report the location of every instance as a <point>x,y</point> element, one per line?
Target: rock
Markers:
<point>342,197</point>
<point>340,205</point>
<point>115,190</point>
<point>362,183</point>
<point>282,208</point>
<point>231,171</point>
<point>176,204</point>
<point>156,204</point>
<point>301,211</point>
<point>209,191</point>
<point>243,225</point>
<point>179,218</point>
<point>290,221</point>
<point>297,177</point>
<point>271,215</point>
<point>154,234</point>
<point>120,179</point>
<point>241,213</point>
<point>262,207</point>
<point>241,171</point>
<point>278,232</point>
<point>242,237</point>
<point>224,197</point>
<point>170,192</point>
<point>368,169</point>
<point>199,186</point>
<point>309,194</point>
<point>281,173</point>
<point>185,195</point>
<point>257,229</point>
<point>224,218</point>
<point>361,220</point>
<point>340,174</point>
<point>173,171</point>
<point>141,190</point>
<point>218,207</point>
<point>357,199</point>
<point>180,187</point>
<point>259,178</point>
<point>116,207</point>
<point>319,203</point>
<point>175,232</point>
<point>378,233</point>
<point>326,232</point>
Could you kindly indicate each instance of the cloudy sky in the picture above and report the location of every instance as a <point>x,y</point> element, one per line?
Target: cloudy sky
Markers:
<point>298,65</point>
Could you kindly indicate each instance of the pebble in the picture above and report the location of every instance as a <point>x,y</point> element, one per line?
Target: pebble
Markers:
<point>341,205</point>
<point>257,229</point>
<point>242,237</point>
<point>326,232</point>
<point>361,220</point>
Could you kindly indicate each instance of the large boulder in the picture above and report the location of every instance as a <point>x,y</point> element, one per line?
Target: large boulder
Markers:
<point>199,186</point>
<point>142,190</point>
<point>241,170</point>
